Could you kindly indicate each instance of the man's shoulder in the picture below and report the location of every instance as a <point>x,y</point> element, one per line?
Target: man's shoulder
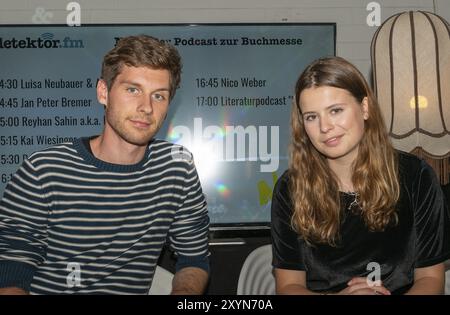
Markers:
<point>60,150</point>
<point>165,151</point>
<point>161,144</point>
<point>163,147</point>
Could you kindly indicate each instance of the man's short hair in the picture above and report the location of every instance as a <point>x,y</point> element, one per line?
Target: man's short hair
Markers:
<point>142,51</point>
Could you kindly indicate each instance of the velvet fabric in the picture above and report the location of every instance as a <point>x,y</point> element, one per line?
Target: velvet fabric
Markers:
<point>421,238</point>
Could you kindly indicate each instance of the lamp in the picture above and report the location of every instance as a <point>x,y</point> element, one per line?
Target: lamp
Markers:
<point>411,76</point>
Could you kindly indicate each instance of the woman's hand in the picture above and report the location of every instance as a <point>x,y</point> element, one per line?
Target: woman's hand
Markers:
<point>361,286</point>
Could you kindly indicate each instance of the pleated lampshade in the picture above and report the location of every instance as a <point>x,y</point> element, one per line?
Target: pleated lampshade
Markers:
<point>411,77</point>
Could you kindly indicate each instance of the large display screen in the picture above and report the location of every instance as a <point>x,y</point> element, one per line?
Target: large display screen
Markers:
<point>231,111</point>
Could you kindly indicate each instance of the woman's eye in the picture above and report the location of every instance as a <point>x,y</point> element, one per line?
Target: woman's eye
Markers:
<point>310,117</point>
<point>336,110</point>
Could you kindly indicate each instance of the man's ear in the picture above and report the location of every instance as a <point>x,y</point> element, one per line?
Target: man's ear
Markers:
<point>102,92</point>
<point>365,108</point>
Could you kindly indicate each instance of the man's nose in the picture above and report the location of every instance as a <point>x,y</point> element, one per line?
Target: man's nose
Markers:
<point>146,105</point>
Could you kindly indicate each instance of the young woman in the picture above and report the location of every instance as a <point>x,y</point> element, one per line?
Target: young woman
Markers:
<point>352,215</point>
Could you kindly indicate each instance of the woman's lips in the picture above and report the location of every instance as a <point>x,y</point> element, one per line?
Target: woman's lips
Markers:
<point>333,141</point>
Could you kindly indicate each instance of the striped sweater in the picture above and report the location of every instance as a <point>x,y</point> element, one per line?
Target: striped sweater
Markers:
<point>70,223</point>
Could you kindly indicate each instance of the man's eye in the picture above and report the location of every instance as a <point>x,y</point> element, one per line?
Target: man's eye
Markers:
<point>132,90</point>
<point>159,97</point>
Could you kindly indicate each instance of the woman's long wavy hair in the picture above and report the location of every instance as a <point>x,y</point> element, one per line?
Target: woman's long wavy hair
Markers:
<point>314,186</point>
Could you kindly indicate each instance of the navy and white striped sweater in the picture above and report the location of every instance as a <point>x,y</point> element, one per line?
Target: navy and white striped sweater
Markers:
<point>65,209</point>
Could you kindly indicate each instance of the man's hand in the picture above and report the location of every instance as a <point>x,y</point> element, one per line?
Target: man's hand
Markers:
<point>13,291</point>
<point>189,280</point>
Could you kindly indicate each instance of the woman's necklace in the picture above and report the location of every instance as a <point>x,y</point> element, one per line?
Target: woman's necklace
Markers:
<point>349,191</point>
<point>354,203</point>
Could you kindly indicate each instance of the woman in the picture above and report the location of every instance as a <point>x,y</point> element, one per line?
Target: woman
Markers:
<point>352,215</point>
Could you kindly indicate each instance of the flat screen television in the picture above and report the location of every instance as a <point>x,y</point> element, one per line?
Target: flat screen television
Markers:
<point>231,111</point>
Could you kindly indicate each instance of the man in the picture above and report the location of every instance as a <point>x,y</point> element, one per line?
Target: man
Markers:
<point>91,216</point>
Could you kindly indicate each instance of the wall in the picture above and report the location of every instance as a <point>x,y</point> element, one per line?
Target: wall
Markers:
<point>443,8</point>
<point>353,33</point>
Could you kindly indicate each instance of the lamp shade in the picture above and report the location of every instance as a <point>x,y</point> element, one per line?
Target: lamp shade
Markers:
<point>411,77</point>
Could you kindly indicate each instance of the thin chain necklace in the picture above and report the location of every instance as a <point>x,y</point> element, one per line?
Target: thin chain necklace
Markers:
<point>354,203</point>
<point>353,194</point>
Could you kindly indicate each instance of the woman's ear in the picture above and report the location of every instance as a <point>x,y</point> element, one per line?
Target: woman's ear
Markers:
<point>365,108</point>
